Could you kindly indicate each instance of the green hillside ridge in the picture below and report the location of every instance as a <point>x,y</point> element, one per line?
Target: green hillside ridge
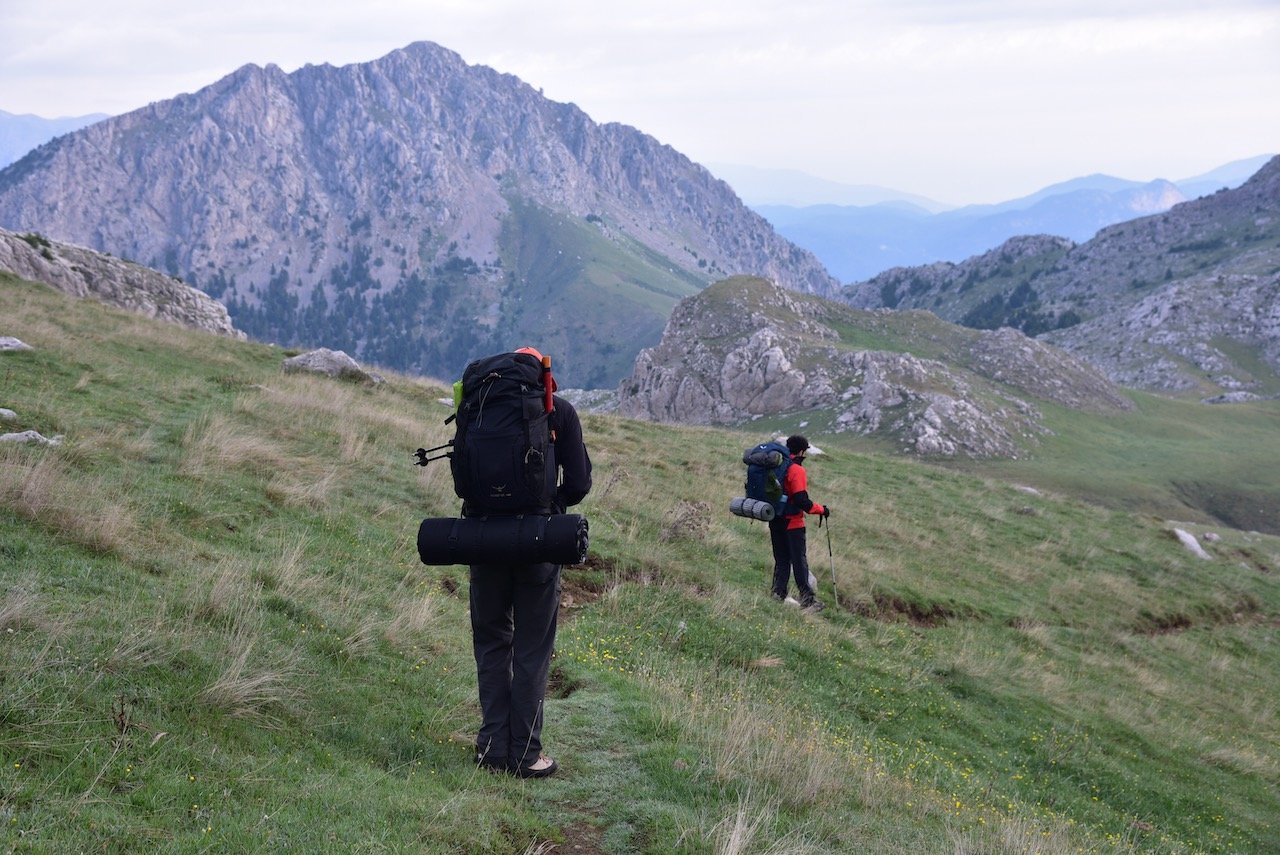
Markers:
<point>607,293</point>
<point>217,637</point>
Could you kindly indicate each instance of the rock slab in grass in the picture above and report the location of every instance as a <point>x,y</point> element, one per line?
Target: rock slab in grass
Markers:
<point>330,363</point>
<point>31,436</point>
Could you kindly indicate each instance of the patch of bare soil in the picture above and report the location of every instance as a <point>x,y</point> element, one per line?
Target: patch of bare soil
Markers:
<point>889,608</point>
<point>580,838</point>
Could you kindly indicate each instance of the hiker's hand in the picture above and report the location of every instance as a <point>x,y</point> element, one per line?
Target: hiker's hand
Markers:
<point>826,511</point>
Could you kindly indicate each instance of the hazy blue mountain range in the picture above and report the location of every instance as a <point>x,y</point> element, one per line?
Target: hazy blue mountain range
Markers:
<point>1185,301</point>
<point>414,211</point>
<point>790,187</point>
<point>857,241</point>
<point>19,134</point>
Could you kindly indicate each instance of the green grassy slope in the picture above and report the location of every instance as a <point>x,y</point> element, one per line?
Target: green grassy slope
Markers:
<point>1176,458</point>
<point>585,293</point>
<point>217,637</point>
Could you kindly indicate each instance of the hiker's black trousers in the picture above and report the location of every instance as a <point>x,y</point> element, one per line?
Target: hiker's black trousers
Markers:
<point>790,557</point>
<point>513,631</point>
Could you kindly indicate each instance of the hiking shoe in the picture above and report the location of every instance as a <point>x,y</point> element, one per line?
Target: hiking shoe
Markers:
<point>812,605</point>
<point>543,767</point>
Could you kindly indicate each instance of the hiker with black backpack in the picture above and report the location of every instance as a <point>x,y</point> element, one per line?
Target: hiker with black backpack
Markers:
<point>518,452</point>
<point>787,530</point>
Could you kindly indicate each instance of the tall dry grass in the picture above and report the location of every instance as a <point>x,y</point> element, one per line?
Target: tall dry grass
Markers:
<point>40,486</point>
<point>216,442</point>
<point>413,619</point>
<point>1020,837</point>
<point>20,609</point>
<point>231,597</point>
<point>303,489</point>
<point>244,690</point>
<point>286,571</point>
<point>748,738</point>
<point>801,765</point>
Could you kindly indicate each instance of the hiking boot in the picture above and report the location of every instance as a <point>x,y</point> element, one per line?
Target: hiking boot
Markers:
<point>812,604</point>
<point>543,767</point>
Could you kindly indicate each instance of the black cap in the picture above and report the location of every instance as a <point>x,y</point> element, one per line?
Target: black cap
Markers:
<point>797,443</point>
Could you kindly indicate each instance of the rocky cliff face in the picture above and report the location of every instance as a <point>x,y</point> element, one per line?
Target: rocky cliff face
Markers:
<point>1185,301</point>
<point>412,210</point>
<point>82,272</point>
<point>746,349</point>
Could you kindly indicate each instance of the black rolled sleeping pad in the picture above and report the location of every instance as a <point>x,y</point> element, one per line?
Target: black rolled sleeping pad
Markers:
<point>524,539</point>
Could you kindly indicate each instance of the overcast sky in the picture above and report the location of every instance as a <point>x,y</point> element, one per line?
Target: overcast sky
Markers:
<point>959,101</point>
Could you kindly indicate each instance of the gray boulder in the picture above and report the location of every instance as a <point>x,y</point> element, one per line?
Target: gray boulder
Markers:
<point>330,363</point>
<point>31,437</point>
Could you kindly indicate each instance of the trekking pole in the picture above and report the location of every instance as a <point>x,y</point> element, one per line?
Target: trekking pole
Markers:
<point>834,592</point>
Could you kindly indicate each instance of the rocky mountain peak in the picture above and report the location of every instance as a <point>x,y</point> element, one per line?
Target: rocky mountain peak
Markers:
<point>413,211</point>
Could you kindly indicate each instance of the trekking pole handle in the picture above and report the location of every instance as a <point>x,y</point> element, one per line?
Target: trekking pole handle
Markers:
<point>547,383</point>
<point>422,454</point>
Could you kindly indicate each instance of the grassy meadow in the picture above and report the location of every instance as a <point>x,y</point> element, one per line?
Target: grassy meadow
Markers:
<point>216,637</point>
<point>1176,458</point>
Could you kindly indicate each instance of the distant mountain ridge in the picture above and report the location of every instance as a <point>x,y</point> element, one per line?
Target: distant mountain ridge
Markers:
<point>791,187</point>
<point>857,242</point>
<point>1186,301</point>
<point>20,133</point>
<point>414,211</point>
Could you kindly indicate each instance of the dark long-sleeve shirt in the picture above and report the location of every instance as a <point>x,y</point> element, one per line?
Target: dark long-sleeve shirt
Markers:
<point>571,455</point>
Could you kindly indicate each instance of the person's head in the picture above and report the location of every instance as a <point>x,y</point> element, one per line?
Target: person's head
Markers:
<point>532,351</point>
<point>798,445</point>
<point>536,354</point>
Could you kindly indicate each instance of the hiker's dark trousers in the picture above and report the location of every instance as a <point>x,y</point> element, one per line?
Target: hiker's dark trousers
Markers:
<point>513,630</point>
<point>790,558</point>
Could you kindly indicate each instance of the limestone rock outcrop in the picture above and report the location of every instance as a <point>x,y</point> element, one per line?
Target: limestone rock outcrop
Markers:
<point>82,272</point>
<point>746,349</point>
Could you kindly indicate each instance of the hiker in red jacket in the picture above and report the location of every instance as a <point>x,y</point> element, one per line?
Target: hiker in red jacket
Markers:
<point>787,533</point>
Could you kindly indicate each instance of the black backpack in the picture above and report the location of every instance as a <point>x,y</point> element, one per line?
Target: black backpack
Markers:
<point>503,460</point>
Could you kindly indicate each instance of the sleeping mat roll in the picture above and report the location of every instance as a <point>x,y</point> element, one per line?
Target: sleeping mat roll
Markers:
<point>526,539</point>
